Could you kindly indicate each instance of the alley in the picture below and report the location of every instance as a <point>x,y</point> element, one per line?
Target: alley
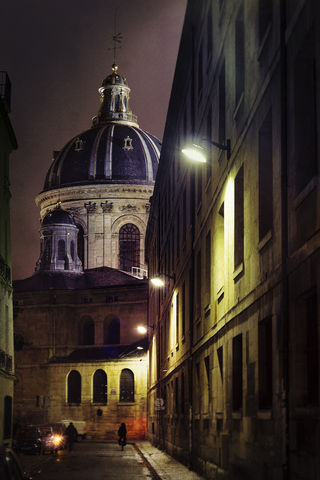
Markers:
<point>89,461</point>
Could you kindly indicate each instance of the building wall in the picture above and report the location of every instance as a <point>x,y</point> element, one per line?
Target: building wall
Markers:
<point>101,211</point>
<point>50,327</point>
<point>241,237</point>
<point>7,144</point>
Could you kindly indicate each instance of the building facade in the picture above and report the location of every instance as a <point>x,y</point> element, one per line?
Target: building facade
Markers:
<point>7,144</point>
<point>79,355</point>
<point>234,354</point>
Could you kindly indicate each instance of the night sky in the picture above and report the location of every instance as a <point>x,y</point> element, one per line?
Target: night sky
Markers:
<point>57,53</point>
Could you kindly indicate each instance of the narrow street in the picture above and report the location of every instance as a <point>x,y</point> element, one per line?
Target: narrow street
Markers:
<point>89,461</point>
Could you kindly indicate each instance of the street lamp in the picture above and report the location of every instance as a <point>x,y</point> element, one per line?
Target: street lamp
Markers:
<point>158,280</point>
<point>143,329</point>
<point>198,153</point>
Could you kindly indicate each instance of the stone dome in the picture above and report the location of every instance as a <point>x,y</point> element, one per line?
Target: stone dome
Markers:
<point>58,216</point>
<point>108,153</point>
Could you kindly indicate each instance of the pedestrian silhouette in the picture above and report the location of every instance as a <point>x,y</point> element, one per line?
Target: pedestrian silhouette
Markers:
<point>122,432</point>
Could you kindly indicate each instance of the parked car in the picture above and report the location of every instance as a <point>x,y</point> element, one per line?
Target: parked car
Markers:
<point>10,467</point>
<point>39,439</point>
<point>80,425</point>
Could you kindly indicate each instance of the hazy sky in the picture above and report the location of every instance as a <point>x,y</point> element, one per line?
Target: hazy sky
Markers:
<point>57,52</point>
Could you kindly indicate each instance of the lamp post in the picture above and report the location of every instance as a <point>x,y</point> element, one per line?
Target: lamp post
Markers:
<point>198,153</point>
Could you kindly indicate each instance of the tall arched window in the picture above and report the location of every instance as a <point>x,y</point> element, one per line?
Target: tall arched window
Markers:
<point>126,386</point>
<point>72,249</point>
<point>100,387</point>
<point>87,331</point>
<point>61,249</point>
<point>111,331</point>
<point>74,387</point>
<point>129,247</point>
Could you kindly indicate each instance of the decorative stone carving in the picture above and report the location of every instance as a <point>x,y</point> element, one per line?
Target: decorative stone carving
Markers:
<point>74,210</point>
<point>147,207</point>
<point>91,207</point>
<point>107,207</point>
<point>128,208</point>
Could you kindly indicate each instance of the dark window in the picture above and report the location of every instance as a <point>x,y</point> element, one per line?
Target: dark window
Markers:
<point>237,372</point>
<point>88,332</point>
<point>126,386</point>
<point>47,251</point>
<point>61,249</point>
<point>239,51</point>
<point>74,387</point>
<point>183,313</point>
<point>208,265</point>
<point>100,387</point>
<point>198,283</point>
<point>222,105</point>
<point>176,395</point>
<point>305,117</point>
<point>312,350</point>
<point>7,419</point>
<point>220,360</point>
<point>111,331</point>
<point>208,378</point>
<point>265,17</point>
<point>238,219</point>
<point>265,363</point>
<point>129,247</point>
<point>265,177</point>
<point>182,408</point>
<point>80,243</point>
<point>72,249</point>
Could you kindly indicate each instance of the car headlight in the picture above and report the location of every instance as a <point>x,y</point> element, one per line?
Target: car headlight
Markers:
<point>57,439</point>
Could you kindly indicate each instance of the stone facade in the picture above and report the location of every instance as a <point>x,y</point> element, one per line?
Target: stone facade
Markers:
<point>7,144</point>
<point>54,340</point>
<point>100,211</point>
<point>234,360</point>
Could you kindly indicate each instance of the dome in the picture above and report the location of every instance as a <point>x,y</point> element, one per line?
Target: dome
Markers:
<point>57,217</point>
<point>108,153</point>
<point>114,150</point>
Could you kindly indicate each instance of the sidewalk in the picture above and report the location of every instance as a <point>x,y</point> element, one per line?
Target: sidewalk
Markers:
<point>165,466</point>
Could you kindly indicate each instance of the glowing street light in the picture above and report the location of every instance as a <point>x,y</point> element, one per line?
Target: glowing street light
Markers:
<point>142,329</point>
<point>159,282</point>
<point>198,153</point>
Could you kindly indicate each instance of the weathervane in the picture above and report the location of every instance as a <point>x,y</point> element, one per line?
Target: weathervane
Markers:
<point>116,38</point>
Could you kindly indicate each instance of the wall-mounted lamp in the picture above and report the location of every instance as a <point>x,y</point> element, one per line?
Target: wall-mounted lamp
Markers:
<point>158,280</point>
<point>143,329</point>
<point>198,153</point>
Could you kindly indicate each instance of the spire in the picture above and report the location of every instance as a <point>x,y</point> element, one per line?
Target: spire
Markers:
<point>115,95</point>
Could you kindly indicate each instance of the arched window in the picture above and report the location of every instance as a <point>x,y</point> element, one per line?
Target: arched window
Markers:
<point>111,331</point>
<point>87,332</point>
<point>80,243</point>
<point>72,249</point>
<point>126,386</point>
<point>100,387</point>
<point>74,387</point>
<point>61,249</point>
<point>47,251</point>
<point>129,247</point>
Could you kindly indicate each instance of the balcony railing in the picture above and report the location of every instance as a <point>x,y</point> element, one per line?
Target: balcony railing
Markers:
<point>5,89</point>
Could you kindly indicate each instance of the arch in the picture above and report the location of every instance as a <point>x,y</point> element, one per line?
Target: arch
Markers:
<point>100,387</point>
<point>129,247</point>
<point>126,385</point>
<point>74,387</point>
<point>111,330</point>
<point>87,331</point>
<point>61,249</point>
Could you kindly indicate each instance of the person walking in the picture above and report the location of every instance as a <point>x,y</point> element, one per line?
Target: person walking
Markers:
<point>72,435</point>
<point>122,432</point>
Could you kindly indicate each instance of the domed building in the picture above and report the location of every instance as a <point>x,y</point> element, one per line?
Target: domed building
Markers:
<point>79,356</point>
<point>104,178</point>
